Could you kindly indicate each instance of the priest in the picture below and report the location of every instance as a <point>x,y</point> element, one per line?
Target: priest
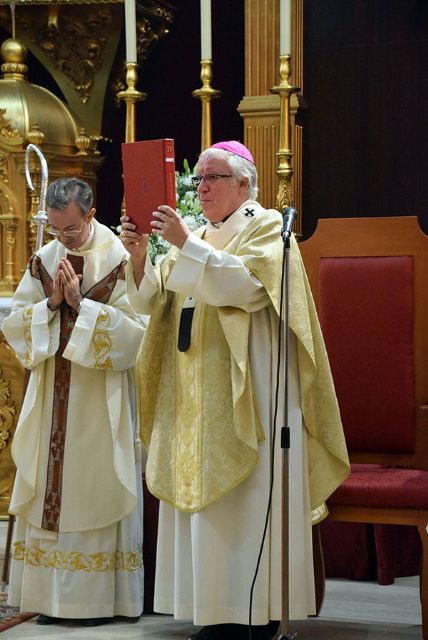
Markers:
<point>77,497</point>
<point>208,366</point>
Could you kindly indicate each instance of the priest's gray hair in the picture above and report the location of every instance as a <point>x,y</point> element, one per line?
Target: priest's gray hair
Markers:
<point>240,167</point>
<point>66,190</point>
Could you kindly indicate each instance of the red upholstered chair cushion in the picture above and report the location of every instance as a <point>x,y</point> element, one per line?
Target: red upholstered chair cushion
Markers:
<point>366,313</point>
<point>372,485</point>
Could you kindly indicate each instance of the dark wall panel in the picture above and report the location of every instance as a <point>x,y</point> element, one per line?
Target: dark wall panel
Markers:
<point>366,89</point>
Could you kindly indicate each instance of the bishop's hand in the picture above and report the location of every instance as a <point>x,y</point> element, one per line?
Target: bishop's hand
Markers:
<point>136,245</point>
<point>170,225</point>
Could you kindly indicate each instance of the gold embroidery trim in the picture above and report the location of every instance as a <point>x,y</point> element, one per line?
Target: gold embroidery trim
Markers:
<point>189,425</point>
<point>28,316</point>
<point>102,561</point>
<point>101,341</point>
<point>319,513</point>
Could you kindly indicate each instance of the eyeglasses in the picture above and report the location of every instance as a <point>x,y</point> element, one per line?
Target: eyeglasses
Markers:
<point>68,233</point>
<point>210,178</point>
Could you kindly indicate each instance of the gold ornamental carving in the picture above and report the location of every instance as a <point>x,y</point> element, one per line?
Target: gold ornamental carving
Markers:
<point>40,118</point>
<point>35,135</point>
<point>6,208</point>
<point>76,46</point>
<point>80,44</point>
<point>7,412</point>
<point>7,134</point>
<point>12,380</point>
<point>3,168</point>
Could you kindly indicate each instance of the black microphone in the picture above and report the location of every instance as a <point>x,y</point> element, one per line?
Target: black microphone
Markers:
<point>289,216</point>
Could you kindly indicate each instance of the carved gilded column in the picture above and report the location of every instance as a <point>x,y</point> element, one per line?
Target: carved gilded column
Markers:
<point>11,393</point>
<point>259,108</point>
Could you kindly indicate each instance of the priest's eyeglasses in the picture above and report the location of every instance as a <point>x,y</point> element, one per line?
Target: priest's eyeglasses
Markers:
<point>68,233</point>
<point>210,178</point>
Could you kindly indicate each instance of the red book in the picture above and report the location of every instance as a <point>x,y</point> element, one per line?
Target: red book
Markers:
<point>148,179</point>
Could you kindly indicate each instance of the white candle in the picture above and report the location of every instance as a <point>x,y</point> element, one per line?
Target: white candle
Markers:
<point>130,31</point>
<point>285,27</point>
<point>206,53</point>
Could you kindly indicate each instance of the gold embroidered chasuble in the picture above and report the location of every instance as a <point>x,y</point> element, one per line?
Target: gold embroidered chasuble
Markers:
<point>199,417</point>
<point>75,435</point>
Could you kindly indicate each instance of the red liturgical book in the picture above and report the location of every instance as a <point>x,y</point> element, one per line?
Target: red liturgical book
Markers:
<point>148,179</point>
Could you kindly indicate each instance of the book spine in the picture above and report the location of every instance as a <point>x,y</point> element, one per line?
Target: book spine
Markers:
<point>169,169</point>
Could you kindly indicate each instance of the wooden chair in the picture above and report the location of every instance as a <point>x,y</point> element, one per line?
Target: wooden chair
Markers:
<point>369,277</point>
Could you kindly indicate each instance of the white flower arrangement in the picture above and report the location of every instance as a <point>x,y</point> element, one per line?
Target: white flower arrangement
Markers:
<point>188,206</point>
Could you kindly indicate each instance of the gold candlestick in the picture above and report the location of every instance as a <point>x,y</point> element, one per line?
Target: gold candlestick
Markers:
<point>284,154</point>
<point>131,96</point>
<point>206,93</point>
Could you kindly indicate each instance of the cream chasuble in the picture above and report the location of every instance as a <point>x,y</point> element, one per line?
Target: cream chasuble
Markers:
<point>219,281</point>
<point>215,463</point>
<point>77,548</point>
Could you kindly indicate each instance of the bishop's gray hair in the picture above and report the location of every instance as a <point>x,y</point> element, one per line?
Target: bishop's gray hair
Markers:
<point>240,167</point>
<point>66,190</point>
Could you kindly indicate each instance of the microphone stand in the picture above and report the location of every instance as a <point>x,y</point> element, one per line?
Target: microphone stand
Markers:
<point>283,631</point>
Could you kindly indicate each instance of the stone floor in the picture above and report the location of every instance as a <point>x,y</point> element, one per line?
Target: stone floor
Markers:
<point>351,611</point>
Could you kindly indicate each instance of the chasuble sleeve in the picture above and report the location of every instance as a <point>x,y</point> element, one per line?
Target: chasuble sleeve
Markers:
<point>216,277</point>
<point>106,336</point>
<point>31,329</point>
<point>142,298</point>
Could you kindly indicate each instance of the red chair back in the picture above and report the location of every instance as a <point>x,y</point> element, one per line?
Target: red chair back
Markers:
<point>370,283</point>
